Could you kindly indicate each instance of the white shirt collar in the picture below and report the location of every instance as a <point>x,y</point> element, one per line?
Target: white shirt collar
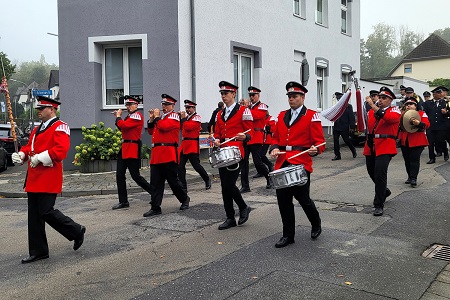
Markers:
<point>45,124</point>
<point>231,107</point>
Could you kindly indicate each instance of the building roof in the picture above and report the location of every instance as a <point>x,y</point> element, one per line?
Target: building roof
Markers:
<point>434,47</point>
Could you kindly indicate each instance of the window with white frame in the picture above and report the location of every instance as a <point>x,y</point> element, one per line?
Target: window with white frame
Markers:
<point>122,73</point>
<point>343,16</point>
<point>243,72</point>
<point>345,81</point>
<point>297,8</point>
<point>408,68</point>
<point>319,12</point>
<point>320,86</point>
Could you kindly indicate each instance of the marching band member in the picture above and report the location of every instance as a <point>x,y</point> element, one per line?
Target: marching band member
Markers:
<point>164,129</point>
<point>231,122</point>
<point>382,126</point>
<point>413,143</point>
<point>297,129</point>
<point>191,124</point>
<point>47,147</point>
<point>269,127</point>
<point>130,153</point>
<point>254,146</point>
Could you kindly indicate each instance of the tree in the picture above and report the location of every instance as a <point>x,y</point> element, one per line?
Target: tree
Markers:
<point>408,41</point>
<point>378,51</point>
<point>440,81</point>
<point>444,33</point>
<point>7,66</point>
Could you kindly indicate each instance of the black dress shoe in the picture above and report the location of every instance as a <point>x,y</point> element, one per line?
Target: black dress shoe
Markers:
<point>413,182</point>
<point>269,185</point>
<point>284,241</point>
<point>34,258</point>
<point>387,193</point>
<point>431,161</point>
<point>355,154</point>
<point>185,204</point>
<point>315,232</point>
<point>79,241</point>
<point>378,211</point>
<point>244,190</point>
<point>243,215</point>
<point>258,175</point>
<point>336,158</point>
<point>121,205</point>
<point>408,181</point>
<point>446,157</point>
<point>227,224</point>
<point>152,213</point>
<point>208,184</point>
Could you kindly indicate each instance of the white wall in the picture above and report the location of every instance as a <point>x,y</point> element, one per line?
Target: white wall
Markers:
<point>278,33</point>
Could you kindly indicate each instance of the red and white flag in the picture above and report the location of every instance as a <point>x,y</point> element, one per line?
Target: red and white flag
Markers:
<point>333,113</point>
<point>360,112</point>
<point>4,86</point>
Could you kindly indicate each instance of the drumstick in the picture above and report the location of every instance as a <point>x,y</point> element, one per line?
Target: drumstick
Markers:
<point>303,152</point>
<point>233,138</point>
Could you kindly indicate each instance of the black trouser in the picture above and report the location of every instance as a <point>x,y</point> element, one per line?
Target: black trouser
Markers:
<point>301,194</point>
<point>264,158</point>
<point>230,192</point>
<point>159,173</point>
<point>346,137</point>
<point>436,142</point>
<point>194,159</point>
<point>41,211</point>
<point>133,165</point>
<point>411,156</point>
<point>255,150</point>
<point>442,138</point>
<point>377,167</point>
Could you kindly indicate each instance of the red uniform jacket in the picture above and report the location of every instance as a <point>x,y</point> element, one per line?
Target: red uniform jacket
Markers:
<point>270,124</point>
<point>56,140</point>
<point>239,120</point>
<point>388,125</point>
<point>190,131</point>
<point>131,128</point>
<point>259,112</point>
<point>304,132</point>
<point>164,133</point>
<point>418,138</point>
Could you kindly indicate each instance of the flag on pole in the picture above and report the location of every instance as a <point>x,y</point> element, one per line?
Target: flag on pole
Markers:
<point>4,86</point>
<point>360,112</point>
<point>333,113</point>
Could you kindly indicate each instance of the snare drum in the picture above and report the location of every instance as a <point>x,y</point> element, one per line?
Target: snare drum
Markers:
<point>224,157</point>
<point>288,176</point>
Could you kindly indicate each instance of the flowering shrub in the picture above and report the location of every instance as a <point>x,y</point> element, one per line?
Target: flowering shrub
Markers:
<point>100,143</point>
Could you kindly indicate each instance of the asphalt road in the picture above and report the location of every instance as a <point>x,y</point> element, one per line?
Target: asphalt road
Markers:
<point>182,255</point>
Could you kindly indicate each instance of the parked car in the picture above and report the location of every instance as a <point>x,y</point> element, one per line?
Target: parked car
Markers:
<point>7,139</point>
<point>3,158</point>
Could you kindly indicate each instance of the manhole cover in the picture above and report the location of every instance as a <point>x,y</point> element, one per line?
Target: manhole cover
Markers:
<point>438,252</point>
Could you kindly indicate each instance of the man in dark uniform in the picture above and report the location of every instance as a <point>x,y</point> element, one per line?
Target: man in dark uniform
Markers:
<point>297,129</point>
<point>191,124</point>
<point>165,128</point>
<point>47,147</point>
<point>231,123</point>
<point>255,145</point>
<point>342,128</point>
<point>130,154</point>
<point>439,124</point>
<point>212,121</point>
<point>382,126</point>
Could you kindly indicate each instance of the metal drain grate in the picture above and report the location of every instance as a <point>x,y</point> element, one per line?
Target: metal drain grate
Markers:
<point>438,252</point>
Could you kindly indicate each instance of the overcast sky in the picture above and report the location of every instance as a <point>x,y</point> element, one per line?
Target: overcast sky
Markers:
<point>23,31</point>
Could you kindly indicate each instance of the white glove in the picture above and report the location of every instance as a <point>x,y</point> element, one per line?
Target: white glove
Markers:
<point>18,158</point>
<point>43,158</point>
<point>34,161</point>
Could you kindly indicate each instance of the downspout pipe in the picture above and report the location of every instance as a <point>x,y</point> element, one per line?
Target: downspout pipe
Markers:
<point>193,78</point>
